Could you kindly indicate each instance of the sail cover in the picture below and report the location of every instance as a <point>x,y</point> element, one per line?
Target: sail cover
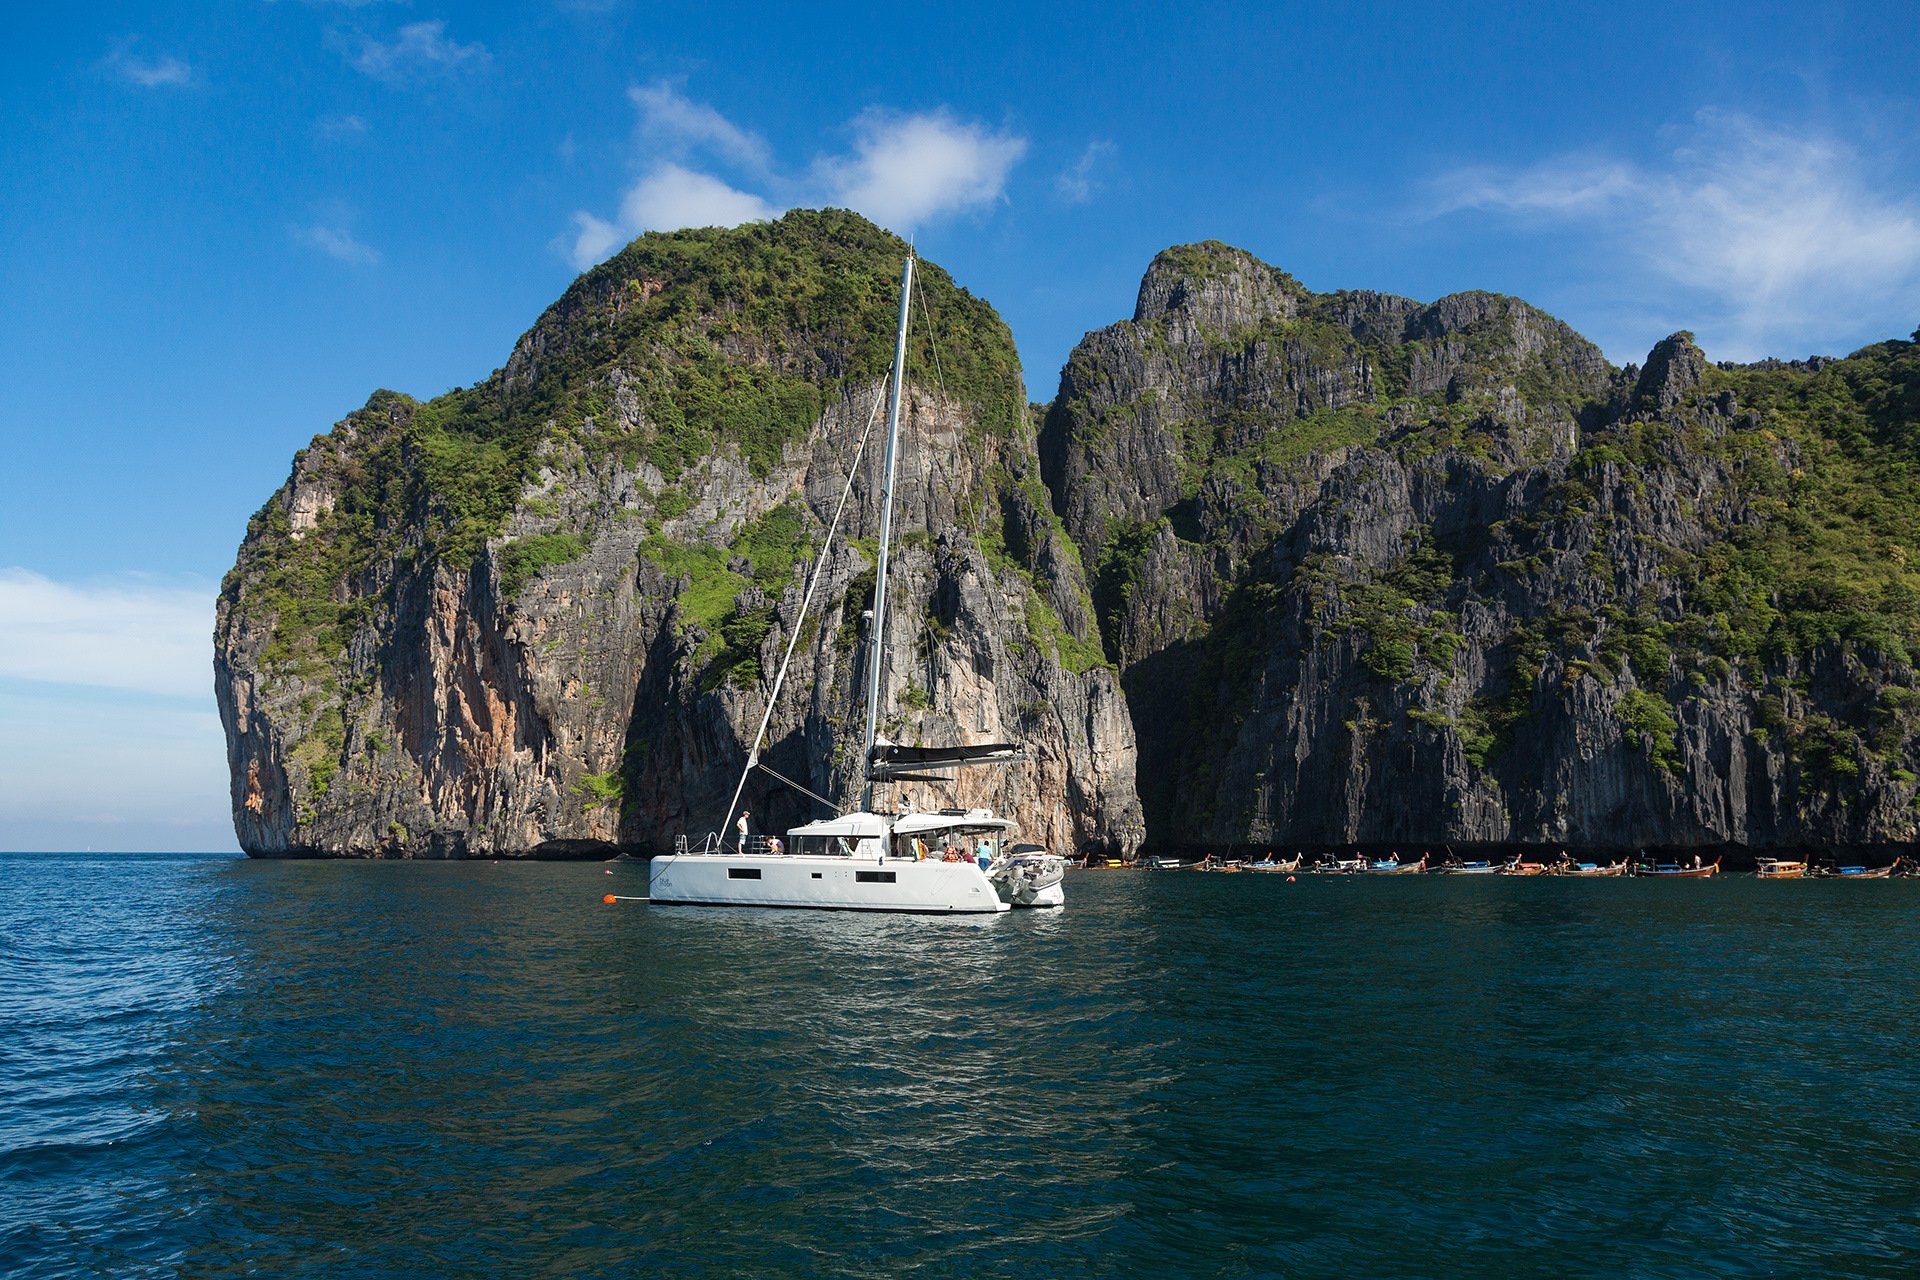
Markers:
<point>893,762</point>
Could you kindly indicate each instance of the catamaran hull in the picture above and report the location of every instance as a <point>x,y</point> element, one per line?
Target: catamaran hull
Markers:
<point>1054,895</point>
<point>832,884</point>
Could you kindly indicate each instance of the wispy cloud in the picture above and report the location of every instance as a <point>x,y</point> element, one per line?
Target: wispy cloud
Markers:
<point>1780,235</point>
<point>674,123</point>
<point>1077,183</point>
<point>418,50</point>
<point>340,126</point>
<point>903,170</point>
<point>102,769</point>
<point>148,72</point>
<point>108,734</point>
<point>336,242</point>
<point>128,632</point>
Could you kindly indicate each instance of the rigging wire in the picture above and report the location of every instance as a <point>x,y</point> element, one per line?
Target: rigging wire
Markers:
<point>819,568</point>
<point>933,345</point>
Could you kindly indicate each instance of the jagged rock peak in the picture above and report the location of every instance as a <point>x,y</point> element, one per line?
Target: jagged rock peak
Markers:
<point>1215,286</point>
<point>1673,370</point>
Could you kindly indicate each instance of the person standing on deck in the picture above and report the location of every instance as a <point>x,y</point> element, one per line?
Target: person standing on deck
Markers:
<point>741,827</point>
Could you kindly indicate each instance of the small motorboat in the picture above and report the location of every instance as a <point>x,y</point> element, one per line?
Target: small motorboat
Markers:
<point>1519,868</point>
<point>1270,865</point>
<point>1779,869</point>
<point>1163,864</point>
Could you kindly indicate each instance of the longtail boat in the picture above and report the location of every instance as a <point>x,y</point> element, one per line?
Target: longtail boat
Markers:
<point>1455,867</point>
<point>1674,870</point>
<point>1590,869</point>
<point>1519,868</point>
<point>1855,873</point>
<point>1779,869</point>
<point>1271,865</point>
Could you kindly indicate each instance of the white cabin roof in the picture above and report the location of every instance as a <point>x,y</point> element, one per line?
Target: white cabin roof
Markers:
<point>918,823</point>
<point>851,825</point>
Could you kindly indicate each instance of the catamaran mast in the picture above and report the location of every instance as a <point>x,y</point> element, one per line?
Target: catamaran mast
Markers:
<point>877,648</point>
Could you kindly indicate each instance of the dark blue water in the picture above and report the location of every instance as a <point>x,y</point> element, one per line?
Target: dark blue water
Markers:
<point>212,1067</point>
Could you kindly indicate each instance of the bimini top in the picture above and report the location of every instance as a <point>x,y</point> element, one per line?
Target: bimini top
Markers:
<point>854,826</point>
<point>893,761</point>
<point>949,820</point>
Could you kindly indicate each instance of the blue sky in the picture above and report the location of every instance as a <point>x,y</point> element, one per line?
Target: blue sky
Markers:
<point>224,224</point>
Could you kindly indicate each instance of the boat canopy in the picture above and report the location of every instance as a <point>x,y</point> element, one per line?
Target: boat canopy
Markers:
<point>948,820</point>
<point>854,826</point>
<point>891,761</point>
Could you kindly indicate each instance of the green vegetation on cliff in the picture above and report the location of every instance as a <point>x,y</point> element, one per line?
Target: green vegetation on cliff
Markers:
<point>681,347</point>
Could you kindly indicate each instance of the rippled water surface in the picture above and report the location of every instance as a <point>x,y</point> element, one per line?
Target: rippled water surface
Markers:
<point>212,1067</point>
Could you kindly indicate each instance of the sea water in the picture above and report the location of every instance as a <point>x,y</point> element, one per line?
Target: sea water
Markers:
<point>216,1067</point>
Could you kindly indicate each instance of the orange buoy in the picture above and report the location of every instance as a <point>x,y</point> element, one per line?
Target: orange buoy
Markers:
<point>608,898</point>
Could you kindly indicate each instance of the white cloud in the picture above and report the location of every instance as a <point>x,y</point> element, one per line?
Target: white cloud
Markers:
<point>671,197</point>
<point>666,199</point>
<point>420,48</point>
<point>1774,236</point>
<point>908,169</point>
<point>337,242</point>
<point>594,239</point>
<point>150,73</point>
<point>1077,183</point>
<point>129,632</point>
<point>903,171</point>
<point>674,122</point>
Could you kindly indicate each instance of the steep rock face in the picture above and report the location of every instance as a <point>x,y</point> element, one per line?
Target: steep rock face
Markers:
<point>1379,572</point>
<point>543,615</point>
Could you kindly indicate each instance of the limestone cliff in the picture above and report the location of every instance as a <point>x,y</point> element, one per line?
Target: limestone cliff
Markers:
<point>1380,572</point>
<point>542,615</point>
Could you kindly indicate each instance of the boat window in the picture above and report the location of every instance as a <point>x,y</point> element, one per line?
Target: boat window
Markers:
<point>816,875</point>
<point>874,877</point>
<point>743,873</point>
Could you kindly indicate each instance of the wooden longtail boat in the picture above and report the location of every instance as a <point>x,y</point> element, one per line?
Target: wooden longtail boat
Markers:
<point>1271,865</point>
<point>1455,867</point>
<point>1855,873</point>
<point>1779,869</point>
<point>1590,869</point>
<point>1519,868</point>
<point>1674,870</point>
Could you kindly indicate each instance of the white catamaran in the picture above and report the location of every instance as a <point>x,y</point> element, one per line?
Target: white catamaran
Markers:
<point>949,861</point>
